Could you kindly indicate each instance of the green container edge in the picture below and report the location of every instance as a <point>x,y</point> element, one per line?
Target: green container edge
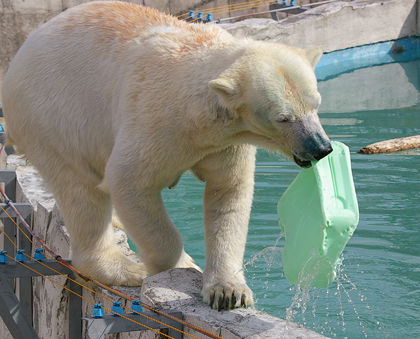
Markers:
<point>311,256</point>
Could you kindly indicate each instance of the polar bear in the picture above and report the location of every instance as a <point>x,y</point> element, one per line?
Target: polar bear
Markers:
<point>112,102</point>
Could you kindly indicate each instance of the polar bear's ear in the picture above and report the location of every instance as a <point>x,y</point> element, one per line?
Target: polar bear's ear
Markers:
<point>314,54</point>
<point>225,89</point>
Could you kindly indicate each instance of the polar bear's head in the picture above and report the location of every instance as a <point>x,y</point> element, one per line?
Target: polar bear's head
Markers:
<point>272,90</point>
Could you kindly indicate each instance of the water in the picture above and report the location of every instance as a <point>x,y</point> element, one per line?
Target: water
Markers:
<point>377,291</point>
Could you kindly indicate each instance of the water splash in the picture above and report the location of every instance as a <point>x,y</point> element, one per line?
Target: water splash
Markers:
<point>342,278</point>
<point>302,296</point>
<point>272,254</point>
<point>333,311</point>
<point>337,305</point>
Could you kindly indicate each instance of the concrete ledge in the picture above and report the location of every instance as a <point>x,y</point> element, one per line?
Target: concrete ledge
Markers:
<point>179,289</point>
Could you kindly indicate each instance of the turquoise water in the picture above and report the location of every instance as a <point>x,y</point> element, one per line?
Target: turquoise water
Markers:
<point>377,293</point>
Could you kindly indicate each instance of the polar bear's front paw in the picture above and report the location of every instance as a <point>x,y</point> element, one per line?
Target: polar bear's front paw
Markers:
<point>225,296</point>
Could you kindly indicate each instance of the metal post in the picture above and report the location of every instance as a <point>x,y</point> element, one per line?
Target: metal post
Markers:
<point>17,313</point>
<point>12,313</point>
<point>9,179</point>
<point>24,285</point>
<point>75,310</point>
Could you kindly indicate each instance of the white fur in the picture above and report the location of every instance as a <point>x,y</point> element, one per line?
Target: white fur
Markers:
<point>112,102</point>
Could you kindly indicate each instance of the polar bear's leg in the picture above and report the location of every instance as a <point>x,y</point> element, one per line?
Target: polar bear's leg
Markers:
<point>87,212</point>
<point>136,196</point>
<point>229,177</point>
<point>146,221</point>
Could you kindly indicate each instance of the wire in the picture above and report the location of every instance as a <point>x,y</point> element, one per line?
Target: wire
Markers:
<point>285,9</point>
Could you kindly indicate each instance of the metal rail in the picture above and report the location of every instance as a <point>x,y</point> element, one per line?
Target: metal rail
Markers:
<point>278,7</point>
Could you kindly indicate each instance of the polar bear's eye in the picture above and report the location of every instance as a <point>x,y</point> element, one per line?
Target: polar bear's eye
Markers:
<point>282,118</point>
<point>315,101</point>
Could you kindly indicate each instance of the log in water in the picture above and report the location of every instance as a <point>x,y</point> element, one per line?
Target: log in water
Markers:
<point>393,145</point>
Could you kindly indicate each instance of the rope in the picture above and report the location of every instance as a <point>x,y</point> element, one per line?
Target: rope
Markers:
<point>58,259</point>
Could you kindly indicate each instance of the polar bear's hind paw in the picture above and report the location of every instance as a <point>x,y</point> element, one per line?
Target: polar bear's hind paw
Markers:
<point>112,269</point>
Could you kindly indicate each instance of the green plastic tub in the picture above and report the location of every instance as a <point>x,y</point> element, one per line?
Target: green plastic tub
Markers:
<point>318,214</point>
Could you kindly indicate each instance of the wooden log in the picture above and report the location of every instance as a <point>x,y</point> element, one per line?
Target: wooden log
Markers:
<point>393,145</point>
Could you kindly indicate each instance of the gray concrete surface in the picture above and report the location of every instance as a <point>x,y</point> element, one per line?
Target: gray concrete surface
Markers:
<point>179,289</point>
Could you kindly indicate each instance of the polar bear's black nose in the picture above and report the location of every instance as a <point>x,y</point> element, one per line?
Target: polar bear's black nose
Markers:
<point>323,151</point>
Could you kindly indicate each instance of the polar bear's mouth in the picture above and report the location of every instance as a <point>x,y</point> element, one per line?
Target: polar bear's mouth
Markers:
<point>302,163</point>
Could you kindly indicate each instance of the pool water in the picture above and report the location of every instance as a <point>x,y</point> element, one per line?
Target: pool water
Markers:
<point>377,291</point>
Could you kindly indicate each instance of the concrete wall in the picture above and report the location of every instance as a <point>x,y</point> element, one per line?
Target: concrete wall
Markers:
<point>357,91</point>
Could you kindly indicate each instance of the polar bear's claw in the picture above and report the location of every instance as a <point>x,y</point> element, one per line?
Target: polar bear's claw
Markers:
<point>243,300</point>
<point>219,297</point>
<point>234,300</point>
